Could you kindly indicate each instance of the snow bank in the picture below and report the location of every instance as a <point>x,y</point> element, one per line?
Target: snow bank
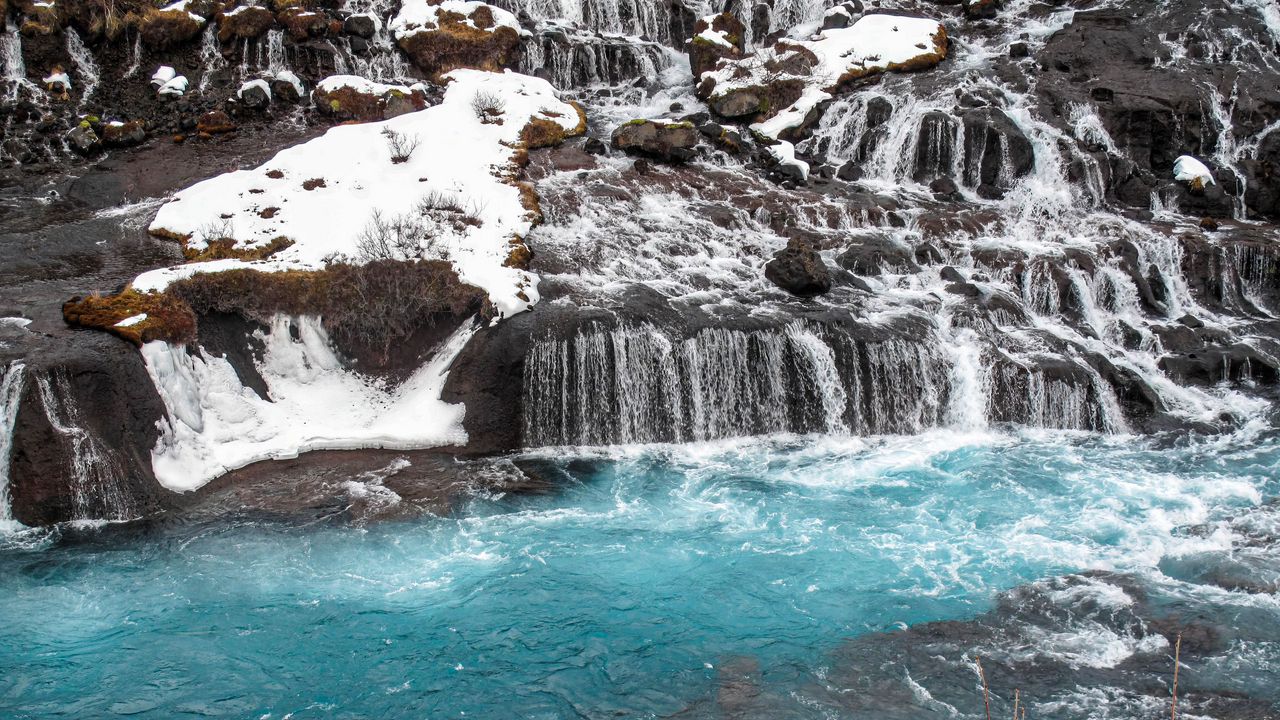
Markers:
<point>1189,170</point>
<point>457,156</point>
<point>215,424</point>
<point>715,37</point>
<point>417,16</point>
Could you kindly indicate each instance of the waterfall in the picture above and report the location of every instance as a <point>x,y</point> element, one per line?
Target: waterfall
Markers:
<point>97,491</point>
<point>87,73</point>
<point>11,382</point>
<point>969,386</point>
<point>211,59</point>
<point>276,62</point>
<point>15,70</point>
<point>135,57</point>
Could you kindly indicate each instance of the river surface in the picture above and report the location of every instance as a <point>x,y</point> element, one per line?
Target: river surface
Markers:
<point>779,577</point>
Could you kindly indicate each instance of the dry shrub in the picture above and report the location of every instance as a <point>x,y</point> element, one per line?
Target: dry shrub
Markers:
<point>168,318</point>
<point>365,308</point>
<point>400,145</point>
<point>224,248</point>
<point>488,107</point>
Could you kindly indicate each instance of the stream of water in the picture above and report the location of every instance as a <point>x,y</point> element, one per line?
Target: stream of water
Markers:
<point>774,575</point>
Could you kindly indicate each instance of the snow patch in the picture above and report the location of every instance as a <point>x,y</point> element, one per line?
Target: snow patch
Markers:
<point>457,156</point>
<point>1188,169</point>
<point>132,320</point>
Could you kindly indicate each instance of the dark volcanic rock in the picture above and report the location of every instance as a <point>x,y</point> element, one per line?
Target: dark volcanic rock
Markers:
<point>662,140</point>
<point>800,270</point>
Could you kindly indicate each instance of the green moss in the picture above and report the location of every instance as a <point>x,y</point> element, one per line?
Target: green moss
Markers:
<point>334,105</point>
<point>637,121</point>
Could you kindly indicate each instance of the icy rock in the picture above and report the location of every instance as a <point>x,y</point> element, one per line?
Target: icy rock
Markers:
<point>244,22</point>
<point>715,37</point>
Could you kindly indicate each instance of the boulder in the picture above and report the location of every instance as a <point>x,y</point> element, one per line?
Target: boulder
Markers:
<point>981,9</point>
<point>287,87</point>
<point>83,140</point>
<point>162,29</point>
<point>996,150</point>
<point>254,95</point>
<point>362,25</point>
<point>799,269</point>
<point>716,37</point>
<point>349,97</point>
<point>123,134</point>
<point>244,22</point>
<point>871,255</point>
<point>215,122</point>
<point>671,141</point>
<point>303,24</point>
<point>466,35</point>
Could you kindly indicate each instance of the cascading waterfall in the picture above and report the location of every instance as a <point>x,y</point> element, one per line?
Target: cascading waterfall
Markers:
<point>639,385</point>
<point>15,70</point>
<point>97,492</point>
<point>11,384</point>
<point>211,60</point>
<point>87,73</point>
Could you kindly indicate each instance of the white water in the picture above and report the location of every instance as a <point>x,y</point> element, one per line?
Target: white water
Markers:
<point>87,74</point>
<point>96,483</point>
<point>11,384</point>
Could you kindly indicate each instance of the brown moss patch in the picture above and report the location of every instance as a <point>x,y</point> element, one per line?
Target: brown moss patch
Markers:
<point>312,184</point>
<point>530,201</point>
<point>162,29</point>
<point>365,308</point>
<point>226,249</point>
<point>247,23</point>
<point>168,318</point>
<point>519,255</point>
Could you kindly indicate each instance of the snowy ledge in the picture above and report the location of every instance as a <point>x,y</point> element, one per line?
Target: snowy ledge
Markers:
<point>874,44</point>
<point>313,202</point>
<point>419,16</point>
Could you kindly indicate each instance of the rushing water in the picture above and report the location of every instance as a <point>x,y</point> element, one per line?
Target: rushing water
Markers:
<point>747,579</point>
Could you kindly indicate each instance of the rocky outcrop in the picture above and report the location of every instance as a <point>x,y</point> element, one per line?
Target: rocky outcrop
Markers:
<point>167,28</point>
<point>353,98</point>
<point>715,38</point>
<point>670,141</point>
<point>457,34</point>
<point>800,270</point>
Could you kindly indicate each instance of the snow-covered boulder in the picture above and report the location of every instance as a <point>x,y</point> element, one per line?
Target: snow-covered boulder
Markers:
<point>452,34</point>
<point>287,87</point>
<point>177,87</point>
<point>162,75</point>
<point>445,173</point>
<point>355,98</point>
<point>1193,173</point>
<point>715,38</point>
<point>58,81</point>
<point>169,26</point>
<point>254,94</point>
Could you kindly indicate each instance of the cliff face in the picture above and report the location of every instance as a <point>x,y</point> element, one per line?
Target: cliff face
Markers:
<point>850,220</point>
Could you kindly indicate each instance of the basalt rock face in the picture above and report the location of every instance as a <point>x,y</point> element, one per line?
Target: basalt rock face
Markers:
<point>82,435</point>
